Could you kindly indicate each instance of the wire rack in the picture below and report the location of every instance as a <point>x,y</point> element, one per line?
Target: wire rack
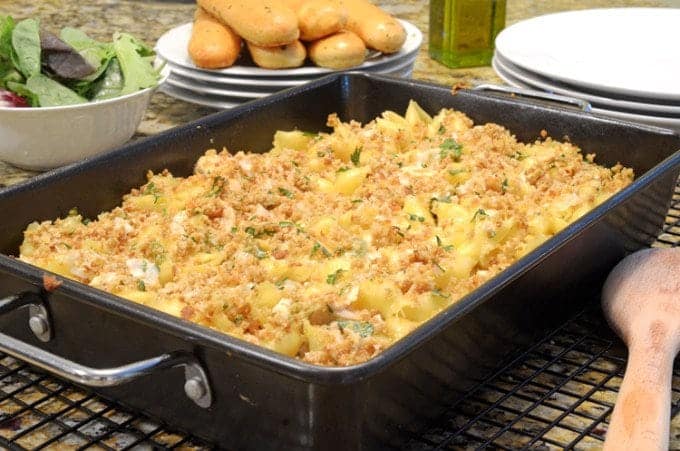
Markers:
<point>558,394</point>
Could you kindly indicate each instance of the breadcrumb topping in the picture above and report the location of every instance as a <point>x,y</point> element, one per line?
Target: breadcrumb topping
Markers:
<point>331,246</point>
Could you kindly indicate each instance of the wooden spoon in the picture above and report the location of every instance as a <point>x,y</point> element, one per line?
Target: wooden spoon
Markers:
<point>641,300</point>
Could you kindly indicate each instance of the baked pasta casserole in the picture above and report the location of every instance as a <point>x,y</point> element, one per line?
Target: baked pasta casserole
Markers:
<point>331,246</point>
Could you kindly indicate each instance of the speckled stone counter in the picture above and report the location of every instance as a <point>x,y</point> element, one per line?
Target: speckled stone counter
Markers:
<point>150,19</point>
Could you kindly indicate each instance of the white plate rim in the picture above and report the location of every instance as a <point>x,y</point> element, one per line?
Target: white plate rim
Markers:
<point>540,82</point>
<point>656,121</point>
<point>209,90</point>
<point>271,85</point>
<point>165,49</point>
<point>518,56</point>
<point>208,101</point>
<point>209,78</point>
<point>180,94</point>
<point>203,89</point>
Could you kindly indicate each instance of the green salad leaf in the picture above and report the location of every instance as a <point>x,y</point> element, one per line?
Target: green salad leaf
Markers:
<point>137,70</point>
<point>6,27</point>
<point>98,54</point>
<point>72,68</point>
<point>52,93</point>
<point>26,45</point>
<point>8,73</point>
<point>20,88</point>
<point>111,85</point>
<point>363,328</point>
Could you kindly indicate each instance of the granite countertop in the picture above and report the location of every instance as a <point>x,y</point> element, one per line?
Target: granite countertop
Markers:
<point>150,19</point>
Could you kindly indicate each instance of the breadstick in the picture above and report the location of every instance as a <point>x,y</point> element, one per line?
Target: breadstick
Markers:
<point>293,4</point>
<point>318,18</point>
<point>378,29</point>
<point>212,44</point>
<point>266,23</point>
<point>338,51</point>
<point>280,57</point>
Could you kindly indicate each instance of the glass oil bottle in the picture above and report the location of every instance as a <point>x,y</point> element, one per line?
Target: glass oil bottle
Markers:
<point>462,32</point>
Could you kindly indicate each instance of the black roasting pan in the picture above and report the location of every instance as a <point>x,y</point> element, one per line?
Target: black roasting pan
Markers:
<point>262,400</point>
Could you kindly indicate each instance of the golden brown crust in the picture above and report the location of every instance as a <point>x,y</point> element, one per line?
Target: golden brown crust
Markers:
<point>331,247</point>
<point>319,18</point>
<point>338,51</point>
<point>378,29</point>
<point>213,44</point>
<point>279,57</point>
<point>265,23</point>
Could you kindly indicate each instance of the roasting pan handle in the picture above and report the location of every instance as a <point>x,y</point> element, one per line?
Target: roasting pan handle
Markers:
<point>196,385</point>
<point>581,104</point>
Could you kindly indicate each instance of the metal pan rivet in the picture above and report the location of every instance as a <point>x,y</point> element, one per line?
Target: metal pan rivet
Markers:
<point>38,325</point>
<point>194,388</point>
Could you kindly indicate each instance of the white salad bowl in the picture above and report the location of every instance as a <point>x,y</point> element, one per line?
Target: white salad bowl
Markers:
<point>44,138</point>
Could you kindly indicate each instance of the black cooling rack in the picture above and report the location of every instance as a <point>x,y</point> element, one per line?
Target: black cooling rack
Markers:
<point>558,394</point>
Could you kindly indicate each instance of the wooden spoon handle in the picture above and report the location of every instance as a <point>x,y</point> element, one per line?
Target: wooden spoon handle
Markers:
<point>641,418</point>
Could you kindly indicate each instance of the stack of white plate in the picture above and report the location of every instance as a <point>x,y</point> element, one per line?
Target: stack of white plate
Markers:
<point>226,88</point>
<point>624,61</point>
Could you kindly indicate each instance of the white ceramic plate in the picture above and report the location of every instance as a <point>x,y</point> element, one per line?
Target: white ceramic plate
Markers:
<point>221,102</point>
<point>172,46</point>
<point>536,81</point>
<point>627,51</point>
<point>234,90</point>
<point>198,99</point>
<point>266,84</point>
<point>657,121</point>
<point>211,90</point>
<point>258,83</point>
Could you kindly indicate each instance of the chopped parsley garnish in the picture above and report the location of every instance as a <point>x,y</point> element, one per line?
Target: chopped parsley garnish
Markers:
<point>343,169</point>
<point>450,148</point>
<point>356,156</point>
<point>440,294</point>
<point>158,252</point>
<point>480,213</point>
<point>504,185</point>
<point>441,129</point>
<point>259,253</point>
<point>414,217</point>
<point>141,286</point>
<point>320,247</point>
<point>455,172</point>
<point>285,192</point>
<point>357,201</point>
<point>445,199</point>
<point>152,189</point>
<point>332,278</point>
<point>363,328</point>
<point>252,231</point>
<point>279,283</point>
<point>286,224</point>
<point>217,186</point>
<point>446,247</point>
